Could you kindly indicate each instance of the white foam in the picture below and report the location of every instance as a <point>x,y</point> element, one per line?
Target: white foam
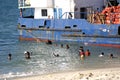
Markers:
<point>13,75</point>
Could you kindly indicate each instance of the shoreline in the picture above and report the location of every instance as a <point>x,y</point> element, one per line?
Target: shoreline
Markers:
<point>97,74</point>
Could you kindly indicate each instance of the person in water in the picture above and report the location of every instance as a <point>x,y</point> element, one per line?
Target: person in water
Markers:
<point>82,54</point>
<point>27,54</point>
<point>61,45</point>
<point>101,55</point>
<point>111,56</point>
<point>81,48</point>
<point>67,46</point>
<point>49,42</point>
<point>56,55</point>
<point>87,53</point>
<point>9,56</point>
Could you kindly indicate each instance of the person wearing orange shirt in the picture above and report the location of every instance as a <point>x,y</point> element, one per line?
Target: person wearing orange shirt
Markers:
<point>87,53</point>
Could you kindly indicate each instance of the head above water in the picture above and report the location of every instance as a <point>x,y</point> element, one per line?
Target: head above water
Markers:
<point>102,53</point>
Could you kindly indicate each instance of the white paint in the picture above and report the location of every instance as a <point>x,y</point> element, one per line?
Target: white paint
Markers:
<point>38,3</point>
<point>38,15</point>
<point>66,5</point>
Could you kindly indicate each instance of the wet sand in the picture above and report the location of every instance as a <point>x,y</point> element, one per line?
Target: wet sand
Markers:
<point>98,74</point>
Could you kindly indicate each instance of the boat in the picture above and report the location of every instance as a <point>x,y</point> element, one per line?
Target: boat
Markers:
<point>95,22</point>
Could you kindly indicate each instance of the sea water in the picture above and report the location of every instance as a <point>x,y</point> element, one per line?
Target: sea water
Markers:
<point>42,60</point>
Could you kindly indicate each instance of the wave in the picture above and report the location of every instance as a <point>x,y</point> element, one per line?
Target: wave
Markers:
<point>11,75</point>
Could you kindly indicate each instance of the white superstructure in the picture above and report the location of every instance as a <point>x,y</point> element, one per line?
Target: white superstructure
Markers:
<point>60,8</point>
<point>53,8</point>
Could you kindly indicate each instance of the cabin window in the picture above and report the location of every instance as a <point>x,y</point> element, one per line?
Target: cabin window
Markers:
<point>27,13</point>
<point>83,14</point>
<point>44,12</point>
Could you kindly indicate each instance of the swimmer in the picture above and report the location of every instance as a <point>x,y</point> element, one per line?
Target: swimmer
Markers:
<point>9,56</point>
<point>81,47</point>
<point>111,56</point>
<point>67,46</point>
<point>82,54</point>
<point>101,55</point>
<point>56,55</point>
<point>27,54</point>
<point>49,42</point>
<point>87,53</point>
<point>61,45</point>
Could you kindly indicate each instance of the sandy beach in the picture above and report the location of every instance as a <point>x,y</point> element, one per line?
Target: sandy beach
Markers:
<point>98,74</point>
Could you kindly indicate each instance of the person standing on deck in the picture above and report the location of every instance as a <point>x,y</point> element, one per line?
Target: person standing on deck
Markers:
<point>21,14</point>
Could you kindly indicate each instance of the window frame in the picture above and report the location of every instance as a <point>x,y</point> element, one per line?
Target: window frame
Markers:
<point>44,12</point>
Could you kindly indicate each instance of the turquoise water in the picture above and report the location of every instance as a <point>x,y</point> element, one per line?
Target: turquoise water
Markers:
<point>42,60</point>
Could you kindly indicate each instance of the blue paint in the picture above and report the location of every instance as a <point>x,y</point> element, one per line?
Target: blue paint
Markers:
<point>55,13</point>
<point>81,24</point>
<point>60,13</point>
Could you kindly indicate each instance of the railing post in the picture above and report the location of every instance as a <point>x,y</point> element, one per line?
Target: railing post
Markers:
<point>23,3</point>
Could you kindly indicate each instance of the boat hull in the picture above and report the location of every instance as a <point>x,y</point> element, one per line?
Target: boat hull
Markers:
<point>75,30</point>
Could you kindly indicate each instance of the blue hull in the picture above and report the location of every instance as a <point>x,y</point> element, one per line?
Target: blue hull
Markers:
<point>78,30</point>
